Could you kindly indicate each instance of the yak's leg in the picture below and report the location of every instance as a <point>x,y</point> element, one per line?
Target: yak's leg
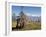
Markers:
<point>22,25</point>
<point>17,27</point>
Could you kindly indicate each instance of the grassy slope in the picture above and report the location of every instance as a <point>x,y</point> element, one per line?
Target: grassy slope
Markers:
<point>29,26</point>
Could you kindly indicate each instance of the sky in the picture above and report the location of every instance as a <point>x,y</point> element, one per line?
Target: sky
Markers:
<point>28,10</point>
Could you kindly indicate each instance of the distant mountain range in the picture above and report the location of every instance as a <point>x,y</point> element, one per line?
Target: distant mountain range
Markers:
<point>33,18</point>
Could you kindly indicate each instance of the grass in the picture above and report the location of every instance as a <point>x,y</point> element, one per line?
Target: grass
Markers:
<point>14,23</point>
<point>32,26</point>
<point>29,26</point>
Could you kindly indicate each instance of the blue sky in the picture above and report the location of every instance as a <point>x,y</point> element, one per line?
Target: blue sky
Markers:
<point>29,11</point>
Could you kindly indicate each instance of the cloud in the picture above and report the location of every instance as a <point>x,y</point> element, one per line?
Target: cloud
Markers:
<point>36,15</point>
<point>29,14</point>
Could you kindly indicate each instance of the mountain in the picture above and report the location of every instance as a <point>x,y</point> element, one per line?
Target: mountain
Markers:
<point>34,18</point>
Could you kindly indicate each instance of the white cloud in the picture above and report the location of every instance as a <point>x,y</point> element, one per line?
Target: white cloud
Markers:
<point>28,14</point>
<point>36,15</point>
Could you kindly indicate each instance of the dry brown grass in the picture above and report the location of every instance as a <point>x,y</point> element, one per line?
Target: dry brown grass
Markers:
<point>29,26</point>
